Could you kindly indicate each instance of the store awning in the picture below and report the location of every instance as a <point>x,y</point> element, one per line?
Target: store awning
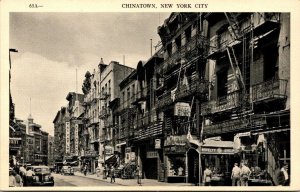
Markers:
<point>217,147</point>
<point>112,159</point>
<point>213,143</point>
<point>120,144</point>
<point>108,157</point>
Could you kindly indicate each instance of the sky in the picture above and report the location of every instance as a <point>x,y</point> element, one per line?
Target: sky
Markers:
<point>51,46</point>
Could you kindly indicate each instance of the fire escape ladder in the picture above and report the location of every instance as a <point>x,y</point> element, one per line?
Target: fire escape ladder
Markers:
<point>235,68</point>
<point>234,26</point>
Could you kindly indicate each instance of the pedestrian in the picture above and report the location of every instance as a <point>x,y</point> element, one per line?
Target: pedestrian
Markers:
<point>22,171</point>
<point>105,170</point>
<point>85,170</point>
<point>29,176</point>
<point>283,176</point>
<point>19,181</point>
<point>112,174</point>
<point>207,176</point>
<point>245,174</point>
<point>236,175</point>
<point>12,179</point>
<point>139,175</point>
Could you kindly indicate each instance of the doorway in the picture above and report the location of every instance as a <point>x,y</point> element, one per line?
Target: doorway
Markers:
<point>193,166</point>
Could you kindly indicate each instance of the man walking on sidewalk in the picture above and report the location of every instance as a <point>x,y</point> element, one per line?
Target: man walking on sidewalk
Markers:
<point>139,175</point>
<point>112,175</point>
<point>85,170</point>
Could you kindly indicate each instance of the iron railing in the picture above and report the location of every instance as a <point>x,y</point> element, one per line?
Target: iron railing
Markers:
<point>227,102</point>
<point>272,89</point>
<point>164,100</point>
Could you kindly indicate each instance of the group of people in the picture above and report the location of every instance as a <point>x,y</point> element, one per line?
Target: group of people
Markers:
<point>111,172</point>
<point>240,175</point>
<point>21,176</point>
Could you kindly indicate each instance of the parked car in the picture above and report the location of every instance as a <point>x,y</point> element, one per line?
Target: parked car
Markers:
<point>67,170</point>
<point>42,176</point>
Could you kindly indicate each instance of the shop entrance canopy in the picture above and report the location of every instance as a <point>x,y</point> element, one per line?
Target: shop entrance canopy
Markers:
<point>217,147</point>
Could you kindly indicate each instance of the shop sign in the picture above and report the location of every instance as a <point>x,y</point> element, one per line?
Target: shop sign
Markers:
<point>76,139</point>
<point>157,144</point>
<point>152,154</point>
<point>179,149</point>
<point>132,155</point>
<point>67,137</point>
<point>129,157</point>
<point>182,109</point>
<point>128,150</point>
<point>91,153</point>
<point>219,150</point>
<point>109,150</point>
<point>227,126</point>
<point>246,134</point>
<point>77,121</point>
<point>176,140</point>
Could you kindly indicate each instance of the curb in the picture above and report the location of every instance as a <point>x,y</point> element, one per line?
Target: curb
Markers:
<point>98,179</point>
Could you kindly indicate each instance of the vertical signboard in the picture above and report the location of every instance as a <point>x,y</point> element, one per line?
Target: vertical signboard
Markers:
<point>76,139</point>
<point>67,137</point>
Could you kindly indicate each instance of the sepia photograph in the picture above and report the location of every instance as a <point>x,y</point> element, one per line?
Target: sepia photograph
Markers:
<point>181,99</point>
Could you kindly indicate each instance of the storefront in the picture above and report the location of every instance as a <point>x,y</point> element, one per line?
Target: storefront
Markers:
<point>147,159</point>
<point>220,157</point>
<point>91,160</point>
<point>175,149</point>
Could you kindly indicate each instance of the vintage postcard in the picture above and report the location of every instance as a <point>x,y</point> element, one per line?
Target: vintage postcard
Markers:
<point>136,95</point>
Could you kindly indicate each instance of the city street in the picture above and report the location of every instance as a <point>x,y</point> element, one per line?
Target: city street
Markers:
<point>73,180</point>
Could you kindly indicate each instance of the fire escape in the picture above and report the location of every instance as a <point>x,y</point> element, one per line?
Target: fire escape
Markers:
<point>245,32</point>
<point>183,73</point>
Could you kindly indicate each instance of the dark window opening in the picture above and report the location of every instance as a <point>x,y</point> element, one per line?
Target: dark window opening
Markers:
<point>222,82</point>
<point>178,42</point>
<point>188,34</point>
<point>169,49</point>
<point>270,63</point>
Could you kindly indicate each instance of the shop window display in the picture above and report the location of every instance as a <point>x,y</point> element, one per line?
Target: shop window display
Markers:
<point>176,166</point>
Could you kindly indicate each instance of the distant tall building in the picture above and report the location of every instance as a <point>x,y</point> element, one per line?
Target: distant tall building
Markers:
<point>68,129</point>
<point>51,151</point>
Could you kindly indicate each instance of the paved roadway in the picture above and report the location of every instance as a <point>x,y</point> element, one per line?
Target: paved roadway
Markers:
<point>72,180</point>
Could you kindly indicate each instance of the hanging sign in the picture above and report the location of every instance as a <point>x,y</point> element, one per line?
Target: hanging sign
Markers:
<point>76,139</point>
<point>182,109</point>
<point>157,144</point>
<point>67,137</point>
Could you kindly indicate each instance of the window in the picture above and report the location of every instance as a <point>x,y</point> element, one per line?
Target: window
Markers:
<point>133,89</point>
<point>178,42</point>
<point>169,49</point>
<point>188,34</point>
<point>123,98</point>
<point>222,82</point>
<point>128,96</point>
<point>270,63</point>
<point>109,88</point>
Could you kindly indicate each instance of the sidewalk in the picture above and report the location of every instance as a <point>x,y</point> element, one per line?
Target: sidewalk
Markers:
<point>133,182</point>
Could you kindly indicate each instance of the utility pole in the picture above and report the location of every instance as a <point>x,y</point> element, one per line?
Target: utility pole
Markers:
<point>150,47</point>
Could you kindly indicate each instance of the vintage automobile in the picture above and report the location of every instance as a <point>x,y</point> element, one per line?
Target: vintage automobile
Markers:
<point>67,170</point>
<point>42,176</point>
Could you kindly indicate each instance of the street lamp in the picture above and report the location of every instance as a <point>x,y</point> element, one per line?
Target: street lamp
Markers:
<point>11,50</point>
